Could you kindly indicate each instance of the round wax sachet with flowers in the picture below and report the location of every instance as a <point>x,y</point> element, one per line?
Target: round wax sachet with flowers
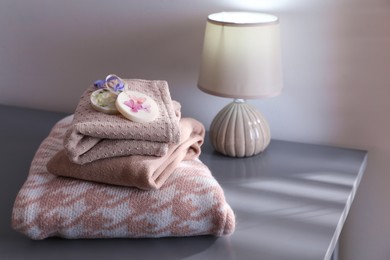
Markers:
<point>103,100</point>
<point>137,106</point>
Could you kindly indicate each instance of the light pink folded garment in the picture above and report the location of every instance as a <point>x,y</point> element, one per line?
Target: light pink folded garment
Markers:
<point>191,202</point>
<point>141,171</point>
<point>94,135</point>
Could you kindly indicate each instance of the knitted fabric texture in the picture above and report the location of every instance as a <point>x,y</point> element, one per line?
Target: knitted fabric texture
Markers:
<point>191,202</point>
<point>141,171</point>
<point>94,135</point>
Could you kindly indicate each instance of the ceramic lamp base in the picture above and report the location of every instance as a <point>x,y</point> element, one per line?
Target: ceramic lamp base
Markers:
<point>239,130</point>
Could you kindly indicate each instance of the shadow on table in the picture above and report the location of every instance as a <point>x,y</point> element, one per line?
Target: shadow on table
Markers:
<point>58,248</point>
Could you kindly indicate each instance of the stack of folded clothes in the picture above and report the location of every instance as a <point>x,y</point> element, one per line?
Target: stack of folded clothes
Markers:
<point>99,175</point>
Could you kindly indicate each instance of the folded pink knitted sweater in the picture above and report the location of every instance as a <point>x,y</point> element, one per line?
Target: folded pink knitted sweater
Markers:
<point>94,135</point>
<point>191,202</point>
<point>141,171</point>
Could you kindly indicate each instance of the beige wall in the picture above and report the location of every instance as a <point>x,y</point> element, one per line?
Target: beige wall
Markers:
<point>336,58</point>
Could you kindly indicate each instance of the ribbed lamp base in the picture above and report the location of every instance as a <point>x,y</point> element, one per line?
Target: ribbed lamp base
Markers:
<point>239,130</point>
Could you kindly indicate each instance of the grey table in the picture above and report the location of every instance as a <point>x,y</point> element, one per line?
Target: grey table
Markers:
<point>291,201</point>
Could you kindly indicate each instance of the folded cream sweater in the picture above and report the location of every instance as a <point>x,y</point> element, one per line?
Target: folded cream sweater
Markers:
<point>94,135</point>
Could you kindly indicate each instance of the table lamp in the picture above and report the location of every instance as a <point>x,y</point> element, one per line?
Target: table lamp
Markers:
<point>241,60</point>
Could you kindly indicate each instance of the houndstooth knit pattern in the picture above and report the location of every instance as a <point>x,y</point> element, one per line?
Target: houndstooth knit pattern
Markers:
<point>190,202</point>
<point>94,135</point>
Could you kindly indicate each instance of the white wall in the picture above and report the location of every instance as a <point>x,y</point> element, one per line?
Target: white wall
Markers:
<point>336,57</point>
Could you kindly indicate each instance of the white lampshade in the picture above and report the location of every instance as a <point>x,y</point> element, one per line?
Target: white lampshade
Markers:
<point>241,56</point>
<point>241,59</point>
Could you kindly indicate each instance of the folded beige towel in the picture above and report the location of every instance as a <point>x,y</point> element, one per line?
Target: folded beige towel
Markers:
<point>144,172</point>
<point>190,202</point>
<point>94,135</point>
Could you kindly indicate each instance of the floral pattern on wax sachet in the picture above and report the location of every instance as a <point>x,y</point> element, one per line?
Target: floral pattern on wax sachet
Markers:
<point>137,106</point>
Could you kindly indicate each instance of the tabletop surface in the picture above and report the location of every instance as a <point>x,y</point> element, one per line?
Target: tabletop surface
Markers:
<point>290,201</point>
